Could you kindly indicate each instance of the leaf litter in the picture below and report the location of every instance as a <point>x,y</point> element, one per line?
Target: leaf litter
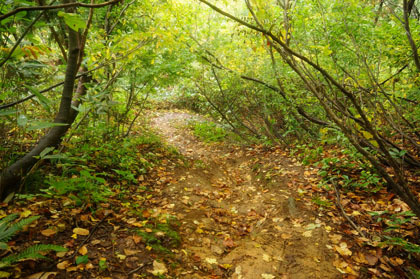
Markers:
<point>224,211</point>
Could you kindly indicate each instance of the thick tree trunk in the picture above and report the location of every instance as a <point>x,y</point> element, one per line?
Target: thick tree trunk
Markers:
<point>10,178</point>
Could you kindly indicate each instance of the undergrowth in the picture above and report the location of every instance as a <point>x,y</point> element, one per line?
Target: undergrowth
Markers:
<point>208,131</point>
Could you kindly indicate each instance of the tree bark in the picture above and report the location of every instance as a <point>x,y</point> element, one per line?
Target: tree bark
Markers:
<point>10,178</point>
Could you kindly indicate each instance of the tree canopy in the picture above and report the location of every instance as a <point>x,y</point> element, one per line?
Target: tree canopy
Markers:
<point>305,75</point>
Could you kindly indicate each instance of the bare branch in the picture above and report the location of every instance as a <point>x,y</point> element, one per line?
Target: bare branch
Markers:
<point>62,6</point>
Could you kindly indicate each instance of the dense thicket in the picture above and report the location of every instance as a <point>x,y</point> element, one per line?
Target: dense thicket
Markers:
<point>337,72</point>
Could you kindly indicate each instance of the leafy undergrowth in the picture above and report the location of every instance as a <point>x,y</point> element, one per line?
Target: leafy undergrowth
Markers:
<point>374,233</point>
<point>104,202</point>
<point>208,131</point>
<point>98,204</point>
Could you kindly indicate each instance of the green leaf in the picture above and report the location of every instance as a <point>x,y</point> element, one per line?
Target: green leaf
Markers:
<point>82,259</point>
<point>46,151</point>
<point>8,112</point>
<point>22,120</point>
<point>74,21</point>
<point>102,264</point>
<point>3,245</point>
<point>44,125</point>
<point>42,99</point>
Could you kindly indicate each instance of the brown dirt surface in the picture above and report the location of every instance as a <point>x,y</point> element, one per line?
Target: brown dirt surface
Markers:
<point>236,222</point>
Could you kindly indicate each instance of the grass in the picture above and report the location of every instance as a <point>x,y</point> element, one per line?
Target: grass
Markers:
<point>208,131</point>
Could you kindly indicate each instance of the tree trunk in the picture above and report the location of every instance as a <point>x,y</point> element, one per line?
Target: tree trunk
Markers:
<point>10,178</point>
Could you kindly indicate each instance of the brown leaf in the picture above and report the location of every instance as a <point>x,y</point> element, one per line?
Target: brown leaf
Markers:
<point>48,232</point>
<point>129,252</point>
<point>286,236</point>
<point>146,214</point>
<point>229,243</point>
<point>371,259</point>
<point>42,275</point>
<point>137,239</point>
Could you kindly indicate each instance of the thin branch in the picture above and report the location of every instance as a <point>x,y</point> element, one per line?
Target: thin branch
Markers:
<point>120,16</point>
<point>338,202</point>
<point>78,76</point>
<point>413,46</point>
<point>20,39</point>
<point>62,6</point>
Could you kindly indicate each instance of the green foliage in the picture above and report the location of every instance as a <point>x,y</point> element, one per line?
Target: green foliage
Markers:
<point>33,252</point>
<point>74,21</point>
<point>208,131</point>
<point>82,259</point>
<point>161,237</point>
<point>85,187</point>
<point>403,244</point>
<point>8,229</point>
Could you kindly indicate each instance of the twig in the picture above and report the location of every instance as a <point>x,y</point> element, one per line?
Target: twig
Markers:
<point>136,269</point>
<point>87,238</point>
<point>338,202</point>
<point>53,7</point>
<point>78,248</point>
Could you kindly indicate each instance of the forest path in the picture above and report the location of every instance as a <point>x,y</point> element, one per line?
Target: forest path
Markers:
<point>235,224</point>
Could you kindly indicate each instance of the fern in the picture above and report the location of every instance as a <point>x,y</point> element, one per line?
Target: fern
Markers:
<point>4,223</point>
<point>32,252</point>
<point>8,230</point>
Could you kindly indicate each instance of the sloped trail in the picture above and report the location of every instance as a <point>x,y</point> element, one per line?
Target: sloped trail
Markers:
<point>235,223</point>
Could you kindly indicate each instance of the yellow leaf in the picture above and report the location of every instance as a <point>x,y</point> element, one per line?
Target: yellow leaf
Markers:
<point>81,231</point>
<point>25,213</point>
<point>343,250</point>
<point>63,265</point>
<point>83,250</point>
<point>121,257</point>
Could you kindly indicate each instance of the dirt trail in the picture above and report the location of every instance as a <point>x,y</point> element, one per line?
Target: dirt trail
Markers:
<point>232,224</point>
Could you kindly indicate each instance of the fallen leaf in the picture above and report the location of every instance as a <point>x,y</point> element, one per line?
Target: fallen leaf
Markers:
<point>41,275</point>
<point>158,268</point>
<point>129,252</point>
<point>371,259</point>
<point>343,250</point>
<point>137,239</point>
<point>89,266</point>
<point>229,243</point>
<point>267,276</point>
<point>63,265</point>
<point>81,231</point>
<point>211,261</point>
<point>83,250</point>
<point>48,232</point>
<point>121,257</point>
<point>286,236</point>
<point>25,213</point>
